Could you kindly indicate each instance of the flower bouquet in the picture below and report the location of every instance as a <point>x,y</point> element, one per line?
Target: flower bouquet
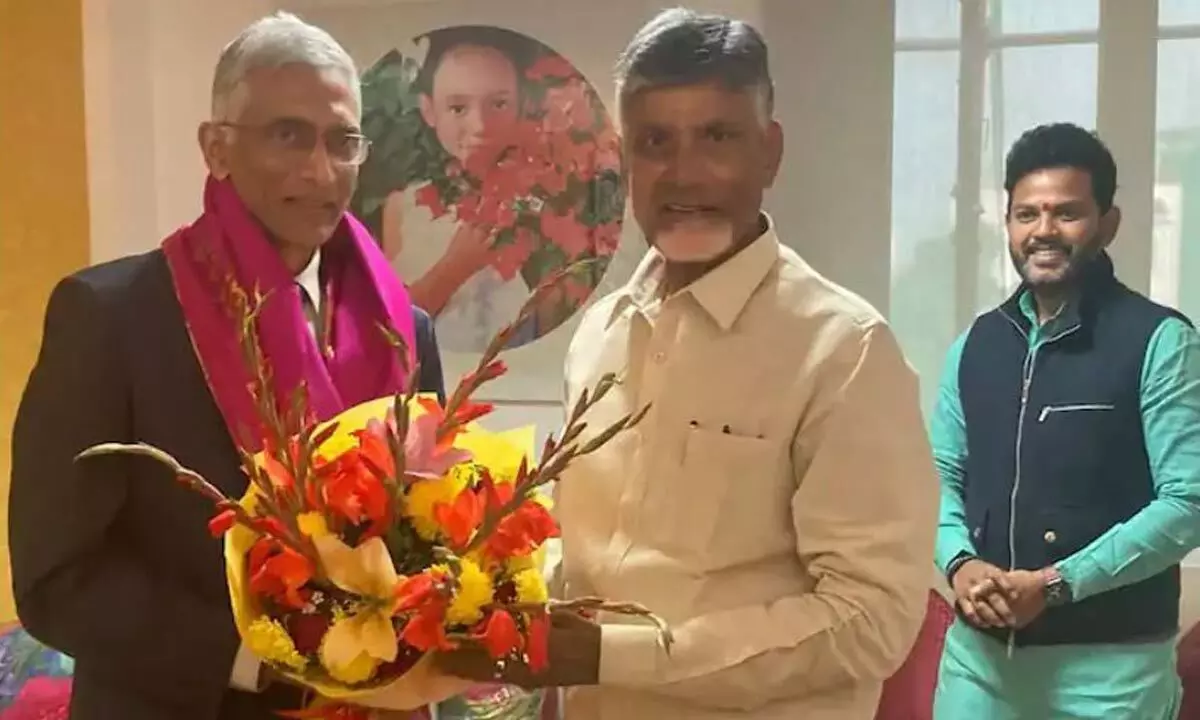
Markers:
<point>398,528</point>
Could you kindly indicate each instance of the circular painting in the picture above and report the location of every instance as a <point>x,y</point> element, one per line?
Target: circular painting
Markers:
<point>494,165</point>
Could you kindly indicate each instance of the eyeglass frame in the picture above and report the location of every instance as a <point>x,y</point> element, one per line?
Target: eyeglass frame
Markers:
<point>300,153</point>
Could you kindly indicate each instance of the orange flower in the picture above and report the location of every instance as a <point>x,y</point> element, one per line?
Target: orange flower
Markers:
<point>279,573</point>
<point>426,631</point>
<point>417,591</point>
<point>499,634</point>
<point>424,597</point>
<point>460,519</point>
<point>353,491</point>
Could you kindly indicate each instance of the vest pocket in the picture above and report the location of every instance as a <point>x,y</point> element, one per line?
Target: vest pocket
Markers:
<point>1049,410</point>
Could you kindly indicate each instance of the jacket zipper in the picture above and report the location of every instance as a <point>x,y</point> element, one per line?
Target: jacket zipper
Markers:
<point>1026,382</point>
<point>1049,409</point>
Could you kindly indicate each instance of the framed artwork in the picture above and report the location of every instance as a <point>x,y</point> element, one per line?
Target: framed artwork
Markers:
<point>494,165</point>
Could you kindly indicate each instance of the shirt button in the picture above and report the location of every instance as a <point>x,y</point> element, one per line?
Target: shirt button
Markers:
<point>660,356</point>
<point>976,533</point>
<point>1050,536</point>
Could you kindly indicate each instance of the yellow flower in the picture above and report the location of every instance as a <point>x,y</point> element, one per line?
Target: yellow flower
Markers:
<point>517,563</point>
<point>356,644</point>
<point>349,669</point>
<point>313,524</point>
<point>531,587</point>
<point>474,592</point>
<point>425,494</point>
<point>269,640</point>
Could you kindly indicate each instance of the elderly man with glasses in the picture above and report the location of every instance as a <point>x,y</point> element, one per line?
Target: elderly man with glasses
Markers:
<point>111,563</point>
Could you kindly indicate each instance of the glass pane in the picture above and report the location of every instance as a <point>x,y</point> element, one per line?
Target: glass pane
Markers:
<point>924,156</point>
<point>1024,87</point>
<point>926,19</point>
<point>1178,12</point>
<point>1044,16</point>
<point>1177,176</point>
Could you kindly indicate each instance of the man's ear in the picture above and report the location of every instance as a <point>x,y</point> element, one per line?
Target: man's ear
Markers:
<point>1110,223</point>
<point>215,147</point>
<point>774,151</point>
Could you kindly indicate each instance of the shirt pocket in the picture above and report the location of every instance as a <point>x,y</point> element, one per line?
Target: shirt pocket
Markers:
<point>723,507</point>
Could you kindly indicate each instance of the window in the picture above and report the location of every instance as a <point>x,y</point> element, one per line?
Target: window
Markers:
<point>1177,163</point>
<point>972,88</point>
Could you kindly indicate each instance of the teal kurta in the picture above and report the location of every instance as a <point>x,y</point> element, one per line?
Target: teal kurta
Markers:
<point>978,678</point>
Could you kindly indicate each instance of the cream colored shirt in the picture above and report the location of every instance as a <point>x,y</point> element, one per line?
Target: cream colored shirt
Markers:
<point>777,506</point>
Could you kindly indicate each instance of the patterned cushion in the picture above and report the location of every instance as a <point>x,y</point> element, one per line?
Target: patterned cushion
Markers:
<point>35,681</point>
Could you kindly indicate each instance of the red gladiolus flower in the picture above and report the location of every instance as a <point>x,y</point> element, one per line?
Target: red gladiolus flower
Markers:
<point>353,491</point>
<point>538,648</point>
<point>222,522</point>
<point>425,631</point>
<point>375,451</point>
<point>500,635</point>
<point>280,576</point>
<point>416,591</point>
<point>523,531</point>
<point>460,519</point>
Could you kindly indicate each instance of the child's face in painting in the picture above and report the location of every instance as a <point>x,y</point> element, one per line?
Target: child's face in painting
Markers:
<point>474,96</point>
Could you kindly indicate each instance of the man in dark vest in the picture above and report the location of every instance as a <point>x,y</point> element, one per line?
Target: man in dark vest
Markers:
<point>1067,437</point>
<point>112,562</point>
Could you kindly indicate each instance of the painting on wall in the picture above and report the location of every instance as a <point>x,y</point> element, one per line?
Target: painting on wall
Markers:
<point>494,165</point>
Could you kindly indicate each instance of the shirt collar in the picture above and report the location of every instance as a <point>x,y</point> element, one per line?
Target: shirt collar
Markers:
<point>309,280</point>
<point>723,292</point>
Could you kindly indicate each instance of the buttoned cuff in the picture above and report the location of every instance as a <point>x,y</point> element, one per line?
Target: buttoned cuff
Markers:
<point>245,675</point>
<point>628,655</point>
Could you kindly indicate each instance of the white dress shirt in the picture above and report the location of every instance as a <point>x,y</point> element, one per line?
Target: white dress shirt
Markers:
<point>777,506</point>
<point>246,665</point>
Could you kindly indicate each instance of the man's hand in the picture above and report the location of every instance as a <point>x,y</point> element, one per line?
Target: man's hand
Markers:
<point>983,593</point>
<point>1030,600</point>
<point>574,658</point>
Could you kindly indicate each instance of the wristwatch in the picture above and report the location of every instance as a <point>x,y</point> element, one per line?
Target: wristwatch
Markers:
<point>1056,589</point>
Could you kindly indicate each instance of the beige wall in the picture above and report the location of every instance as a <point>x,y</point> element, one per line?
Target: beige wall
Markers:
<point>43,194</point>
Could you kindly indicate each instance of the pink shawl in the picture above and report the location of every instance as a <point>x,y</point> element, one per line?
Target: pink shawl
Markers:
<point>363,291</point>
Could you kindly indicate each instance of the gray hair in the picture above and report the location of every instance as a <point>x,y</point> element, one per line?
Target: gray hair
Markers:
<point>274,41</point>
<point>683,47</point>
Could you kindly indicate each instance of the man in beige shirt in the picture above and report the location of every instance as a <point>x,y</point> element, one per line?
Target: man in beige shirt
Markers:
<point>777,505</point>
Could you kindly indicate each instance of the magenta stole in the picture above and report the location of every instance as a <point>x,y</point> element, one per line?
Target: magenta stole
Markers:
<point>364,292</point>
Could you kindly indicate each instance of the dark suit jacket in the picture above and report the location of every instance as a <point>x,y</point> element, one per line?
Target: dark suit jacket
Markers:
<point>112,562</point>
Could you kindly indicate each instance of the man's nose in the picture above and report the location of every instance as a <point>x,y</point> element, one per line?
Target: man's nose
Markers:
<point>318,166</point>
<point>1046,226</point>
<point>685,164</point>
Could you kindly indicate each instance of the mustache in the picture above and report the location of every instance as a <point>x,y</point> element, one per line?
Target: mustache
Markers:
<point>1035,246</point>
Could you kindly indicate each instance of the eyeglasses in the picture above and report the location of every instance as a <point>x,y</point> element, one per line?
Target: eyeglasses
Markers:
<point>293,141</point>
